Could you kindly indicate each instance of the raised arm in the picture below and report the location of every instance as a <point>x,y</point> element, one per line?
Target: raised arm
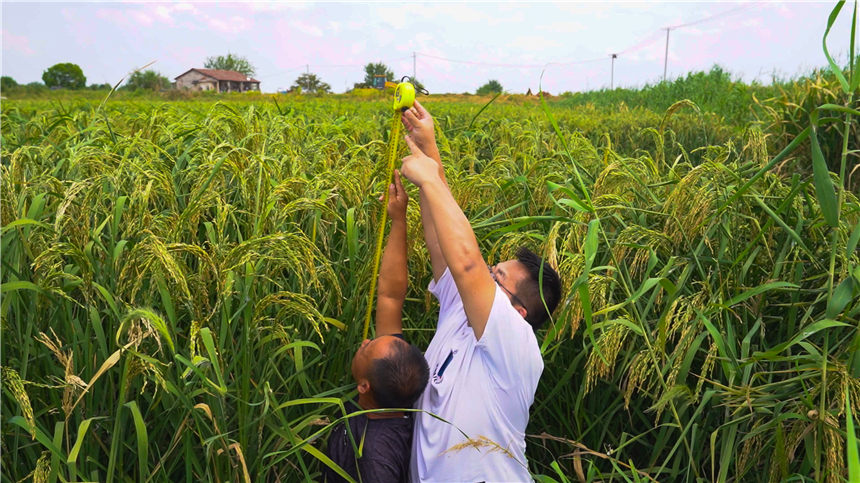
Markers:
<point>393,273</point>
<point>457,242</point>
<point>419,123</point>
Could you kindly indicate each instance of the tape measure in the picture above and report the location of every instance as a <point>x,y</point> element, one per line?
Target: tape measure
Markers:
<point>404,98</point>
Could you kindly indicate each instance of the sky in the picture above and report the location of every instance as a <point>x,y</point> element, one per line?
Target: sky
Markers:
<point>452,47</point>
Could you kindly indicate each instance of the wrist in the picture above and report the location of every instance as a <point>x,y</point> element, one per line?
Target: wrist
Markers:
<point>432,183</point>
<point>430,148</point>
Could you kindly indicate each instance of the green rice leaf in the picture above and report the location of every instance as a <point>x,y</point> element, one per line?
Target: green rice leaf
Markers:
<point>837,71</point>
<point>79,439</point>
<point>25,222</point>
<point>852,241</point>
<point>142,440</point>
<point>758,290</point>
<point>823,184</point>
<point>19,285</point>
<point>842,295</point>
<point>209,344</point>
<point>803,334</point>
<point>328,462</point>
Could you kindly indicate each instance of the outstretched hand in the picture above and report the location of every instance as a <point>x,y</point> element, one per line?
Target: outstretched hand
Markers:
<point>418,167</point>
<point>397,198</point>
<point>419,124</point>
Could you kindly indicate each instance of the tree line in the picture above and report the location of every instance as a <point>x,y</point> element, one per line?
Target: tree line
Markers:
<point>70,76</point>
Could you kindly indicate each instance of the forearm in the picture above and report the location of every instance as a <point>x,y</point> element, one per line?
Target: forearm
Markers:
<point>393,279</point>
<point>393,272</point>
<point>431,238</point>
<point>452,230</point>
<point>433,152</point>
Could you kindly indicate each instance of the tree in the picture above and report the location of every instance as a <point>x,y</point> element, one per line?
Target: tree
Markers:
<point>7,82</point>
<point>230,62</point>
<point>148,79</point>
<point>100,87</point>
<point>372,69</point>
<point>312,84</point>
<point>65,76</point>
<point>491,87</point>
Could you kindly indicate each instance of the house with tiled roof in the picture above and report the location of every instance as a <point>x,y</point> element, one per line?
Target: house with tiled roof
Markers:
<point>216,80</point>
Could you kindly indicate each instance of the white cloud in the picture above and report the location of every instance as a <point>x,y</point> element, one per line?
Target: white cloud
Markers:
<point>306,28</point>
<point>270,6</point>
<point>17,43</point>
<point>141,18</point>
<point>535,42</point>
<point>230,25</point>
<point>358,47</point>
<point>163,12</point>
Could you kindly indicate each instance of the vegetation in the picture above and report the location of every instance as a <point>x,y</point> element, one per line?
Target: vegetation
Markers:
<point>491,87</point>
<point>373,69</point>
<point>310,84</point>
<point>153,251</point>
<point>230,62</point>
<point>64,76</point>
<point>7,82</point>
<point>148,79</point>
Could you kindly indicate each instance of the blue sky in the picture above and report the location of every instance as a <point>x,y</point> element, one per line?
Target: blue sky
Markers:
<point>458,46</point>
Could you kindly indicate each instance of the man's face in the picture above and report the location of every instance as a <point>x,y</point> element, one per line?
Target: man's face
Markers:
<point>370,350</point>
<point>508,276</point>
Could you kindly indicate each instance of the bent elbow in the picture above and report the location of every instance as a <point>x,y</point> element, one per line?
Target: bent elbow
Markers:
<point>470,261</point>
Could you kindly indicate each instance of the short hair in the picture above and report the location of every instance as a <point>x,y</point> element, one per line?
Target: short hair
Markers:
<point>529,289</point>
<point>399,378</point>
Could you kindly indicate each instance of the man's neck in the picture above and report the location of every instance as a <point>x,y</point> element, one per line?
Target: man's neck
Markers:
<point>366,402</point>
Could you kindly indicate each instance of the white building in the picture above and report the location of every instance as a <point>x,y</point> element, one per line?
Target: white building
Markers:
<point>216,80</point>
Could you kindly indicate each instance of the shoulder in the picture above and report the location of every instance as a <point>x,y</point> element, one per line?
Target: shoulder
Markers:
<point>387,451</point>
<point>509,343</point>
<point>444,288</point>
<point>506,324</point>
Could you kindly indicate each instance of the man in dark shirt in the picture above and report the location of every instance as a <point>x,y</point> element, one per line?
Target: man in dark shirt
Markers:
<point>389,372</point>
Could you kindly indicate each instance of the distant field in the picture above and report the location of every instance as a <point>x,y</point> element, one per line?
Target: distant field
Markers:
<point>184,279</point>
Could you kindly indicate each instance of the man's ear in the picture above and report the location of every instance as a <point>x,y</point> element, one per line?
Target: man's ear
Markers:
<point>363,386</point>
<point>522,311</point>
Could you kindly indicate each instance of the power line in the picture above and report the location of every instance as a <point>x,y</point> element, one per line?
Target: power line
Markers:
<point>712,17</point>
<point>654,37</point>
<point>513,66</point>
<point>576,62</point>
<point>649,40</point>
<point>475,62</point>
<point>307,67</point>
<point>695,22</point>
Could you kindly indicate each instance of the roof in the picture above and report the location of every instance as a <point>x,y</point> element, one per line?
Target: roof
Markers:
<point>222,75</point>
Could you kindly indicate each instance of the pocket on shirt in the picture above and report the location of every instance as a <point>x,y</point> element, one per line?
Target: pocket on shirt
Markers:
<point>443,375</point>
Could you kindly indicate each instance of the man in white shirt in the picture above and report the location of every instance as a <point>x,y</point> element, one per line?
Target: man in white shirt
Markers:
<point>484,359</point>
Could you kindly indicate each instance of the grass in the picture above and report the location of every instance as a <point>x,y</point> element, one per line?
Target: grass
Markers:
<point>182,281</point>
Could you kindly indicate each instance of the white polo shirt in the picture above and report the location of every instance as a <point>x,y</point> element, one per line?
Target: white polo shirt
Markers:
<point>483,387</point>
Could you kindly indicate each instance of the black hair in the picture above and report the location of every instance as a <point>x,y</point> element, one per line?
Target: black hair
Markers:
<point>529,289</point>
<point>399,378</point>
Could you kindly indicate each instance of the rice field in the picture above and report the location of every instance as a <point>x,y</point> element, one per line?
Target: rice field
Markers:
<point>184,281</point>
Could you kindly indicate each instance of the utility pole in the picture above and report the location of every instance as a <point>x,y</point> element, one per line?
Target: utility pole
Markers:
<point>307,68</point>
<point>666,55</point>
<point>413,65</point>
<point>612,74</point>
